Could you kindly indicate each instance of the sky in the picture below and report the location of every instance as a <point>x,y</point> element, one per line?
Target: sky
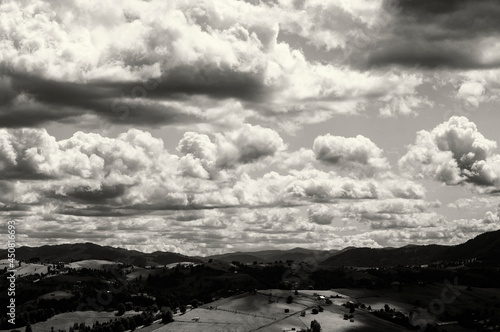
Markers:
<point>204,127</point>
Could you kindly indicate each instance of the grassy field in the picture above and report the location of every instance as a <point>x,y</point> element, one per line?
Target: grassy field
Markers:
<point>25,269</point>
<point>96,264</point>
<point>261,312</point>
<point>264,312</point>
<point>66,320</point>
<point>214,320</point>
<point>422,296</point>
<point>56,295</point>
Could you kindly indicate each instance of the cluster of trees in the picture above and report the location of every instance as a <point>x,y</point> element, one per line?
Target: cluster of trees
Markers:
<point>182,284</point>
<point>315,326</point>
<point>324,279</point>
<point>33,316</point>
<point>383,277</point>
<point>125,323</point>
<point>394,316</point>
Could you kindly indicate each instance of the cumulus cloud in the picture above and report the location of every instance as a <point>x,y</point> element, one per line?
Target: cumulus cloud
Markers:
<point>135,61</point>
<point>437,230</point>
<point>135,170</point>
<point>221,73</point>
<point>475,203</point>
<point>491,218</point>
<point>471,92</point>
<point>454,152</point>
<point>390,213</point>
<point>204,158</point>
<point>322,214</point>
<point>90,176</point>
<point>350,152</point>
<point>248,144</point>
<point>476,87</point>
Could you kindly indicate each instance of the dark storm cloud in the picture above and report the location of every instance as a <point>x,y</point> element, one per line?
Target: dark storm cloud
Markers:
<point>68,234</point>
<point>15,207</point>
<point>97,211</point>
<point>136,103</point>
<point>455,15</point>
<point>86,194</point>
<point>50,100</point>
<point>434,34</point>
<point>212,81</point>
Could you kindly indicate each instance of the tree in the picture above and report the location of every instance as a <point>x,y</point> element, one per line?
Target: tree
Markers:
<point>28,328</point>
<point>183,309</point>
<point>167,316</point>
<point>289,299</point>
<point>121,309</point>
<point>387,308</point>
<point>132,325</point>
<point>315,311</point>
<point>148,321</point>
<point>315,326</point>
<point>129,306</point>
<point>296,292</point>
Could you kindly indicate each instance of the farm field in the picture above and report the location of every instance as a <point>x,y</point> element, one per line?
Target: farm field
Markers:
<point>96,264</point>
<point>66,320</point>
<point>412,297</point>
<point>215,320</point>
<point>56,295</point>
<point>25,269</point>
<point>261,312</point>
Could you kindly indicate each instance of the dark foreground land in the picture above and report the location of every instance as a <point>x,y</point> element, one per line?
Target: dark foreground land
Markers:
<point>170,292</point>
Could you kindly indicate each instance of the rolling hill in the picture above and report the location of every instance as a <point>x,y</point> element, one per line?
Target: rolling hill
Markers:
<point>265,256</point>
<point>367,257</point>
<point>485,247</point>
<point>86,251</point>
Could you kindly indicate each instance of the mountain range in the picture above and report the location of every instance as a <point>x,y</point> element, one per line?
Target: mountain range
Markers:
<point>485,248</point>
<point>81,251</point>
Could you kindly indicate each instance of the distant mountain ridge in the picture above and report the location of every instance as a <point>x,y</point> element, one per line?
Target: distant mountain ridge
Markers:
<point>383,257</point>
<point>484,247</point>
<point>82,251</point>
<point>269,256</point>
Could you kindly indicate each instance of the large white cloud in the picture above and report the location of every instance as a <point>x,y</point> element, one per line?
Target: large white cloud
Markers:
<point>454,152</point>
<point>129,55</point>
<point>135,170</point>
<point>205,157</point>
<point>350,152</point>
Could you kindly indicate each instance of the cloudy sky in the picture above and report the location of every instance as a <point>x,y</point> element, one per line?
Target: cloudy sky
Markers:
<point>204,127</point>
